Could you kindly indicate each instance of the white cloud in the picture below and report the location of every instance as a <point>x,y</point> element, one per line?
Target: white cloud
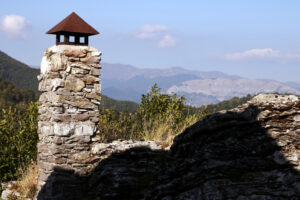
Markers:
<point>266,53</point>
<point>14,26</point>
<point>167,41</point>
<point>160,34</point>
<point>149,31</point>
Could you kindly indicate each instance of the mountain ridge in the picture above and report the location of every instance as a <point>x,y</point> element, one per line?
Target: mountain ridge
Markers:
<point>126,72</point>
<point>127,82</point>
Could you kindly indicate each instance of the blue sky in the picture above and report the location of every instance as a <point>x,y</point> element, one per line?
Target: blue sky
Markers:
<point>254,38</point>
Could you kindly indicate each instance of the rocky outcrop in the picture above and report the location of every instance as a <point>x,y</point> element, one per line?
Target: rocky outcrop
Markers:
<point>250,152</point>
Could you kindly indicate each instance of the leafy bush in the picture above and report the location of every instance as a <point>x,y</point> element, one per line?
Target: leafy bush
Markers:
<point>18,140</point>
<point>159,117</point>
<point>115,125</point>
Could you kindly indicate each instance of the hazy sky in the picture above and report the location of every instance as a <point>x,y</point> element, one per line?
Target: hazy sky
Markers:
<point>254,38</point>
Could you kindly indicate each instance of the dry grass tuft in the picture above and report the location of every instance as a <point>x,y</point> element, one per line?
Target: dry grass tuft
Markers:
<point>163,132</point>
<point>27,185</point>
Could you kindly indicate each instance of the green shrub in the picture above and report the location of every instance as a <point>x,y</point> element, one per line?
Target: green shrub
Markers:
<point>115,125</point>
<point>18,140</point>
<point>159,117</point>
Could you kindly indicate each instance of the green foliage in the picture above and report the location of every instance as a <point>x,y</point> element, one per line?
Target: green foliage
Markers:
<point>18,140</point>
<point>115,125</point>
<point>227,104</point>
<point>223,105</point>
<point>156,105</point>
<point>14,96</point>
<point>159,117</point>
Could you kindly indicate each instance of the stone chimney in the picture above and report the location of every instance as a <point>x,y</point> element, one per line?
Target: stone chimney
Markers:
<point>68,110</point>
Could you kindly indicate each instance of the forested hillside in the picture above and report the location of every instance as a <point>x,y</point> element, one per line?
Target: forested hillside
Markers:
<point>18,73</point>
<point>11,95</point>
<point>107,102</point>
<point>224,105</point>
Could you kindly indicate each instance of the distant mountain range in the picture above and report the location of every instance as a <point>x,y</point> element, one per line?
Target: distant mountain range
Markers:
<point>127,82</point>
<point>294,85</point>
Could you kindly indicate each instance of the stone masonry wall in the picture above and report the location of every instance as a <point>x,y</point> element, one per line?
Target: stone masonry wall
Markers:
<point>68,108</point>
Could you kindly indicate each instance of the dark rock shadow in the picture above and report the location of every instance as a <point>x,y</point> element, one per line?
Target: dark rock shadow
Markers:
<point>233,155</point>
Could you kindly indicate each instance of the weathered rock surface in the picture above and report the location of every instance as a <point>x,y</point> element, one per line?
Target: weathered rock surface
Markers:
<point>250,152</point>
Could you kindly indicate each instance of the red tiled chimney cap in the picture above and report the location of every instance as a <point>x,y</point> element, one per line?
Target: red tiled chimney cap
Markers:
<point>73,24</point>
